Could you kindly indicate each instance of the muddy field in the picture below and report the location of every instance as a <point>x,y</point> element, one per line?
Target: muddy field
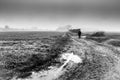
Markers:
<point>60,57</point>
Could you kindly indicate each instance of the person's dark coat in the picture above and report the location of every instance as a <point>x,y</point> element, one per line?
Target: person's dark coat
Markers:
<point>79,34</point>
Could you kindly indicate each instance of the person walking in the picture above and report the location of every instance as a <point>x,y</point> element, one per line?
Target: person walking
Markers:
<point>79,33</point>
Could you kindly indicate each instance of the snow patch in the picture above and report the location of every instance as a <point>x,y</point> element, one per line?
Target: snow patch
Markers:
<point>71,57</point>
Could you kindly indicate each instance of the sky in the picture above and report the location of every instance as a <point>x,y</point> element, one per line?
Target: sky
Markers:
<point>89,15</point>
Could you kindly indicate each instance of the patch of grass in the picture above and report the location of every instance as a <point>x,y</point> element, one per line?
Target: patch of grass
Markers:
<point>98,39</point>
<point>115,43</point>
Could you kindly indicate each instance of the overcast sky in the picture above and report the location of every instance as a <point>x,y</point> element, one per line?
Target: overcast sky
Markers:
<point>50,14</point>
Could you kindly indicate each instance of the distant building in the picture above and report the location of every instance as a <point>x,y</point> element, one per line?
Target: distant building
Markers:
<point>74,30</point>
<point>64,28</point>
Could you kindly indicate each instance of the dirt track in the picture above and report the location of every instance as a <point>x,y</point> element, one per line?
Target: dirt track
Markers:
<point>104,50</point>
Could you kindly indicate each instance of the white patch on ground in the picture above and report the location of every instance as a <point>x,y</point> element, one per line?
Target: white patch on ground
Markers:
<point>72,57</point>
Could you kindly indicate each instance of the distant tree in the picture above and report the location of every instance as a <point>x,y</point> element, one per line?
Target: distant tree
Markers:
<point>6,27</point>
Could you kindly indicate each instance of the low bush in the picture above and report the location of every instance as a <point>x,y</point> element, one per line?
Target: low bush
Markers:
<point>98,37</point>
<point>115,43</point>
<point>98,34</point>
